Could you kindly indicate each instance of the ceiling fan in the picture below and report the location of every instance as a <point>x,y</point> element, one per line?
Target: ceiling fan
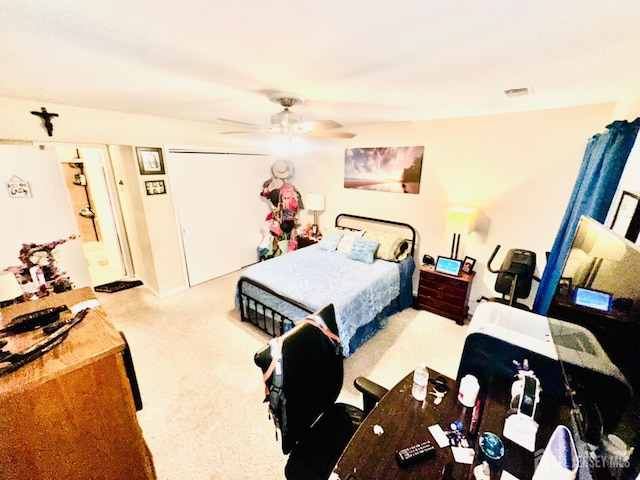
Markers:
<point>289,124</point>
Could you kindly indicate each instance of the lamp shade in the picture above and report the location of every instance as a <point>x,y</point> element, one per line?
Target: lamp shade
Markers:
<point>315,202</point>
<point>608,247</point>
<point>9,287</point>
<point>460,220</point>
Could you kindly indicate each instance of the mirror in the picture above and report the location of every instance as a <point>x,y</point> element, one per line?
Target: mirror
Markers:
<point>598,302</point>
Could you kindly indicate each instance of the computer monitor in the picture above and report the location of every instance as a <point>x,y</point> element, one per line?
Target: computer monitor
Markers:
<point>586,297</point>
<point>450,266</point>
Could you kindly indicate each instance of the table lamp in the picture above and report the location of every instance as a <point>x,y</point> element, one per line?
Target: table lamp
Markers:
<point>459,222</point>
<point>606,246</point>
<point>315,203</point>
<point>9,288</point>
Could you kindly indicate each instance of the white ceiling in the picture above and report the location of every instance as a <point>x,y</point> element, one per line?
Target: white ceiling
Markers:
<point>356,61</point>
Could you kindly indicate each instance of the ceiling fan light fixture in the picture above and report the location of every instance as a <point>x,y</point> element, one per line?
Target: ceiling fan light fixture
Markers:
<point>290,124</point>
<point>284,145</point>
<point>285,117</point>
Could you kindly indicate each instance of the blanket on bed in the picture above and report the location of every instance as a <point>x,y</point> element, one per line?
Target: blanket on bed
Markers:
<point>315,277</point>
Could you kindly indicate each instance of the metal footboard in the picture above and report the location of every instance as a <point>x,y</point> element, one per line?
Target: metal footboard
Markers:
<point>263,316</point>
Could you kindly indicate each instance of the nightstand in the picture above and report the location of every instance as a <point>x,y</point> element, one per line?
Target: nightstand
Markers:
<point>306,241</point>
<point>445,294</point>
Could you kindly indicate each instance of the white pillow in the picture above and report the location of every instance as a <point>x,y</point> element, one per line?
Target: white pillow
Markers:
<point>346,242</point>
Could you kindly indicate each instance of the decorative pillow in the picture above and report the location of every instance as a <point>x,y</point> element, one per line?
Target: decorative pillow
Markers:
<point>363,250</point>
<point>330,242</point>
<point>346,242</point>
<point>402,251</point>
<point>392,247</point>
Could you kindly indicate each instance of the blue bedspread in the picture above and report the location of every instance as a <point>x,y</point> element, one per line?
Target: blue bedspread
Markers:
<point>315,277</point>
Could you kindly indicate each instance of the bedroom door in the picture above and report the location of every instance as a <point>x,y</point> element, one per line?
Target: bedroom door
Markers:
<point>219,208</point>
<point>38,209</point>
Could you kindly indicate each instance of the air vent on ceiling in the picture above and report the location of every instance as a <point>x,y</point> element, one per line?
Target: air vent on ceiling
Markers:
<point>514,92</point>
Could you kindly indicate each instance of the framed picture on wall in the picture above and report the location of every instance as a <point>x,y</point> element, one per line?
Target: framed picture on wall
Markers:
<point>150,161</point>
<point>626,220</point>
<point>155,187</point>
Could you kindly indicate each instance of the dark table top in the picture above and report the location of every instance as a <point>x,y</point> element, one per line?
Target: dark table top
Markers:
<point>405,422</point>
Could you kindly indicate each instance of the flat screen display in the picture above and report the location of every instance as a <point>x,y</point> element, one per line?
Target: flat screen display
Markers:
<point>586,297</point>
<point>447,265</point>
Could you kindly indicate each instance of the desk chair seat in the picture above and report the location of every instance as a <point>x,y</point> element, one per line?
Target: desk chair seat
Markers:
<point>314,428</point>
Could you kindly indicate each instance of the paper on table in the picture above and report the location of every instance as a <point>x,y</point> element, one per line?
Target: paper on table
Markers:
<point>463,455</point>
<point>507,476</point>
<point>439,436</point>
<point>86,304</point>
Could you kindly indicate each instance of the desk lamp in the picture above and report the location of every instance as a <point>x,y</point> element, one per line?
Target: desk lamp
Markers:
<point>315,203</point>
<point>9,288</point>
<point>459,222</point>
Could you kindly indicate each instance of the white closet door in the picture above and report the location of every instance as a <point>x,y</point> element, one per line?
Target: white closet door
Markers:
<point>219,208</point>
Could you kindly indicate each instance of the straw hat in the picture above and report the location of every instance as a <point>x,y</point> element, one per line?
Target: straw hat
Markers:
<point>283,170</point>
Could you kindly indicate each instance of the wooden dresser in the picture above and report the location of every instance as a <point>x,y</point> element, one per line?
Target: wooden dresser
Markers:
<point>70,414</point>
<point>445,294</point>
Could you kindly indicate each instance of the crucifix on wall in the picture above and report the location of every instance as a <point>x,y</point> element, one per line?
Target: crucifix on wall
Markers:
<point>46,119</point>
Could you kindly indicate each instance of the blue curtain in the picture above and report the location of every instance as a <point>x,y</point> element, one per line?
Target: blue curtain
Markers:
<point>604,160</point>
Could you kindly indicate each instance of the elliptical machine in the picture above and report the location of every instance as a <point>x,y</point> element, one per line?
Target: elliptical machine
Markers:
<point>515,277</point>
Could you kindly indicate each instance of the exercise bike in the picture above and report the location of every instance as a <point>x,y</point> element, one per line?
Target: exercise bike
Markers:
<point>515,277</point>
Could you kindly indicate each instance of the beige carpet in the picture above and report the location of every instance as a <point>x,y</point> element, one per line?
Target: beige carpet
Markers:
<point>203,416</point>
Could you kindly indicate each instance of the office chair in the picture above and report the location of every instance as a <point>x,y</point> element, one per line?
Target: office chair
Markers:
<point>314,429</point>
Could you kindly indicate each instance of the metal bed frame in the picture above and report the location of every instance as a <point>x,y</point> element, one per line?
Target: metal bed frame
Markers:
<point>275,323</point>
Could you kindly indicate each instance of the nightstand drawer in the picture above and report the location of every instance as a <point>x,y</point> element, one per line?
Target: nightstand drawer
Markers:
<point>452,296</point>
<point>456,291</point>
<point>446,309</point>
<point>442,280</point>
<point>305,241</point>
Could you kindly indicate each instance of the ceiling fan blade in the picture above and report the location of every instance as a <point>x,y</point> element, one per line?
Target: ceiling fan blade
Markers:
<point>319,125</point>
<point>236,122</point>
<point>245,131</point>
<point>330,133</point>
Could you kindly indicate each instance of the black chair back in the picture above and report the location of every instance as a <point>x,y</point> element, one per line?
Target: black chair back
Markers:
<point>312,374</point>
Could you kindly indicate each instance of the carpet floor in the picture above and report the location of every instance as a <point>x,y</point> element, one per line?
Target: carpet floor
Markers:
<point>203,415</point>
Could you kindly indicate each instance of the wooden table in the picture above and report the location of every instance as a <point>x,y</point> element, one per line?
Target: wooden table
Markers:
<point>405,421</point>
<point>70,414</point>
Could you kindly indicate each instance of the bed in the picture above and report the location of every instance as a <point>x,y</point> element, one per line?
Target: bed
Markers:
<point>364,266</point>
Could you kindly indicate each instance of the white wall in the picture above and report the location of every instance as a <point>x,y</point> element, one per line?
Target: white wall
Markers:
<point>42,218</point>
<point>92,126</point>
<point>518,169</point>
<point>152,229</point>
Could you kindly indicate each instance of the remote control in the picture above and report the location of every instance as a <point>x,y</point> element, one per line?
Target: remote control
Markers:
<point>415,453</point>
<point>32,321</point>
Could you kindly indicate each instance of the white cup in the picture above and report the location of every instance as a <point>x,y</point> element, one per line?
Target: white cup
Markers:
<point>468,391</point>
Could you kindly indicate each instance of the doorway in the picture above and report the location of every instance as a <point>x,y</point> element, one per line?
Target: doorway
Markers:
<point>90,186</point>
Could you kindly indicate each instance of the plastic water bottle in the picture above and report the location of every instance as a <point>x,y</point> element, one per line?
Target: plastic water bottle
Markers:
<point>420,381</point>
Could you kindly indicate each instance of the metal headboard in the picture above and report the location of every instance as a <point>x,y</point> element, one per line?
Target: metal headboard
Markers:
<point>346,216</point>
